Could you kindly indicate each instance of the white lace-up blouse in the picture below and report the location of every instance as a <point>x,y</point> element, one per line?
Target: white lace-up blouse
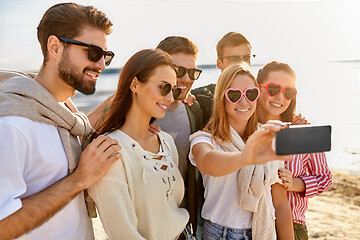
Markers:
<point>139,197</point>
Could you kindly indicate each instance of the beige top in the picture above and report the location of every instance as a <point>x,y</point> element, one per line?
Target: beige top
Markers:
<point>139,197</point>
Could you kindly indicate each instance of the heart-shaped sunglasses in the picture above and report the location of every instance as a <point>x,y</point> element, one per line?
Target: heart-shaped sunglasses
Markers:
<point>274,89</point>
<point>234,95</point>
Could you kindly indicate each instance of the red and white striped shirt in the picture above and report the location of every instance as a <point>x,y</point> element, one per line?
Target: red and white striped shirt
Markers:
<point>314,171</point>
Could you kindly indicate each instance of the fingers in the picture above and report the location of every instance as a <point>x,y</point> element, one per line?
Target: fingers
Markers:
<point>274,125</point>
<point>154,128</point>
<point>107,145</point>
<point>286,185</point>
<point>113,158</point>
<point>286,177</point>
<point>101,148</point>
<point>299,120</point>
<point>96,159</point>
<point>284,172</point>
<point>273,122</point>
<point>189,100</point>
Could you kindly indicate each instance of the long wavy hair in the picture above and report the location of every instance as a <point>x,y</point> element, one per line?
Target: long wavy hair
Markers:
<point>218,124</point>
<point>263,74</point>
<point>141,65</point>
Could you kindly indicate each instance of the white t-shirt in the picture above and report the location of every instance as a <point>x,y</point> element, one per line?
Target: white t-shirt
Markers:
<point>222,195</point>
<point>33,158</point>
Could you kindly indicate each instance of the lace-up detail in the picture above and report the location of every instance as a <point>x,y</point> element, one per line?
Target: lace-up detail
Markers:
<point>162,164</point>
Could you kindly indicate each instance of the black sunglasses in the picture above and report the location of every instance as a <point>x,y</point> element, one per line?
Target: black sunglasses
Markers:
<point>166,88</point>
<point>95,52</point>
<point>194,73</point>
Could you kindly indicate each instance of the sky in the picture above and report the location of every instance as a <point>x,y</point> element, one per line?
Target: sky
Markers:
<point>291,31</point>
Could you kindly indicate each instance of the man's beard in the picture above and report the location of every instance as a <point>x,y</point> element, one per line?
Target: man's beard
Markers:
<point>73,77</point>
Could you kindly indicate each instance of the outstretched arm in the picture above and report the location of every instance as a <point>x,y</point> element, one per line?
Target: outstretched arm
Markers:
<point>258,150</point>
<point>38,208</point>
<point>214,162</point>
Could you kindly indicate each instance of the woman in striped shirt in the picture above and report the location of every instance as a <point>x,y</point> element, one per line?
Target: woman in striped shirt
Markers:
<point>308,174</point>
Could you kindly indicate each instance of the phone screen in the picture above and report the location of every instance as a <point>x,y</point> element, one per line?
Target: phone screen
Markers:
<point>303,139</point>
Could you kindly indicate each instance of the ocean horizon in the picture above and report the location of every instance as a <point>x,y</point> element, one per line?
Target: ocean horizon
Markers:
<point>321,100</point>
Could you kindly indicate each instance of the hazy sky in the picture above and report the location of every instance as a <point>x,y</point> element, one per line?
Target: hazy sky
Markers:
<point>290,31</point>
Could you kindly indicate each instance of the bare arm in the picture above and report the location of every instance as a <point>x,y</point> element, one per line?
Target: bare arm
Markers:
<point>291,183</point>
<point>318,179</point>
<point>258,150</point>
<point>216,163</point>
<point>94,162</point>
<point>284,223</point>
<point>97,114</point>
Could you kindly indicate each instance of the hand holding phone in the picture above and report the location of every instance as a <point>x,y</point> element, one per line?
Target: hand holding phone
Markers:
<point>299,139</point>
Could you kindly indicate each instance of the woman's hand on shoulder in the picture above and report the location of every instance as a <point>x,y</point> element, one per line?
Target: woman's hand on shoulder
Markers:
<point>299,120</point>
<point>154,128</point>
<point>189,100</point>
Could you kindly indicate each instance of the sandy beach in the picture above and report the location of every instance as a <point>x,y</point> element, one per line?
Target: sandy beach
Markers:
<point>336,214</point>
<point>332,215</point>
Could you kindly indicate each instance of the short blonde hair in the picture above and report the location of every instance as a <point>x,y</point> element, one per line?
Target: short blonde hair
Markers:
<point>231,39</point>
<point>218,124</point>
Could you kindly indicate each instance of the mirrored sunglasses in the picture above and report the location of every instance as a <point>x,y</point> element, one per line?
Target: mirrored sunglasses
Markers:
<point>274,89</point>
<point>194,73</point>
<point>234,95</point>
<point>95,52</point>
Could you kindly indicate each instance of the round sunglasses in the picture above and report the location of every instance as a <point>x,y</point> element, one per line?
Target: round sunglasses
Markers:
<point>194,73</point>
<point>166,88</point>
<point>234,95</point>
<point>274,89</point>
<point>95,52</point>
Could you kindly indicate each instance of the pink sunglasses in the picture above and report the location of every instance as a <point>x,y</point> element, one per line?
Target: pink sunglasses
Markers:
<point>274,89</point>
<point>235,95</point>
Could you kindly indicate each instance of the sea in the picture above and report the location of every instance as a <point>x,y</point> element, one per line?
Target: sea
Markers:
<point>328,94</point>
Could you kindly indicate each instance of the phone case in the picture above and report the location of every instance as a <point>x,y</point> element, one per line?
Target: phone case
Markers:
<point>303,139</point>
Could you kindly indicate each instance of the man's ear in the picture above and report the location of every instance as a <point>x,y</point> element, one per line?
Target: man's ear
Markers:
<point>54,47</point>
<point>134,86</point>
<point>219,64</point>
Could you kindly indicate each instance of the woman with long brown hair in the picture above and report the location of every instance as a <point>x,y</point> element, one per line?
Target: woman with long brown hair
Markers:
<point>140,195</point>
<point>238,201</point>
<point>307,175</point>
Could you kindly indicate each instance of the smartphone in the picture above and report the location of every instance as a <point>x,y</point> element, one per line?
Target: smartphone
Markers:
<point>303,139</point>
